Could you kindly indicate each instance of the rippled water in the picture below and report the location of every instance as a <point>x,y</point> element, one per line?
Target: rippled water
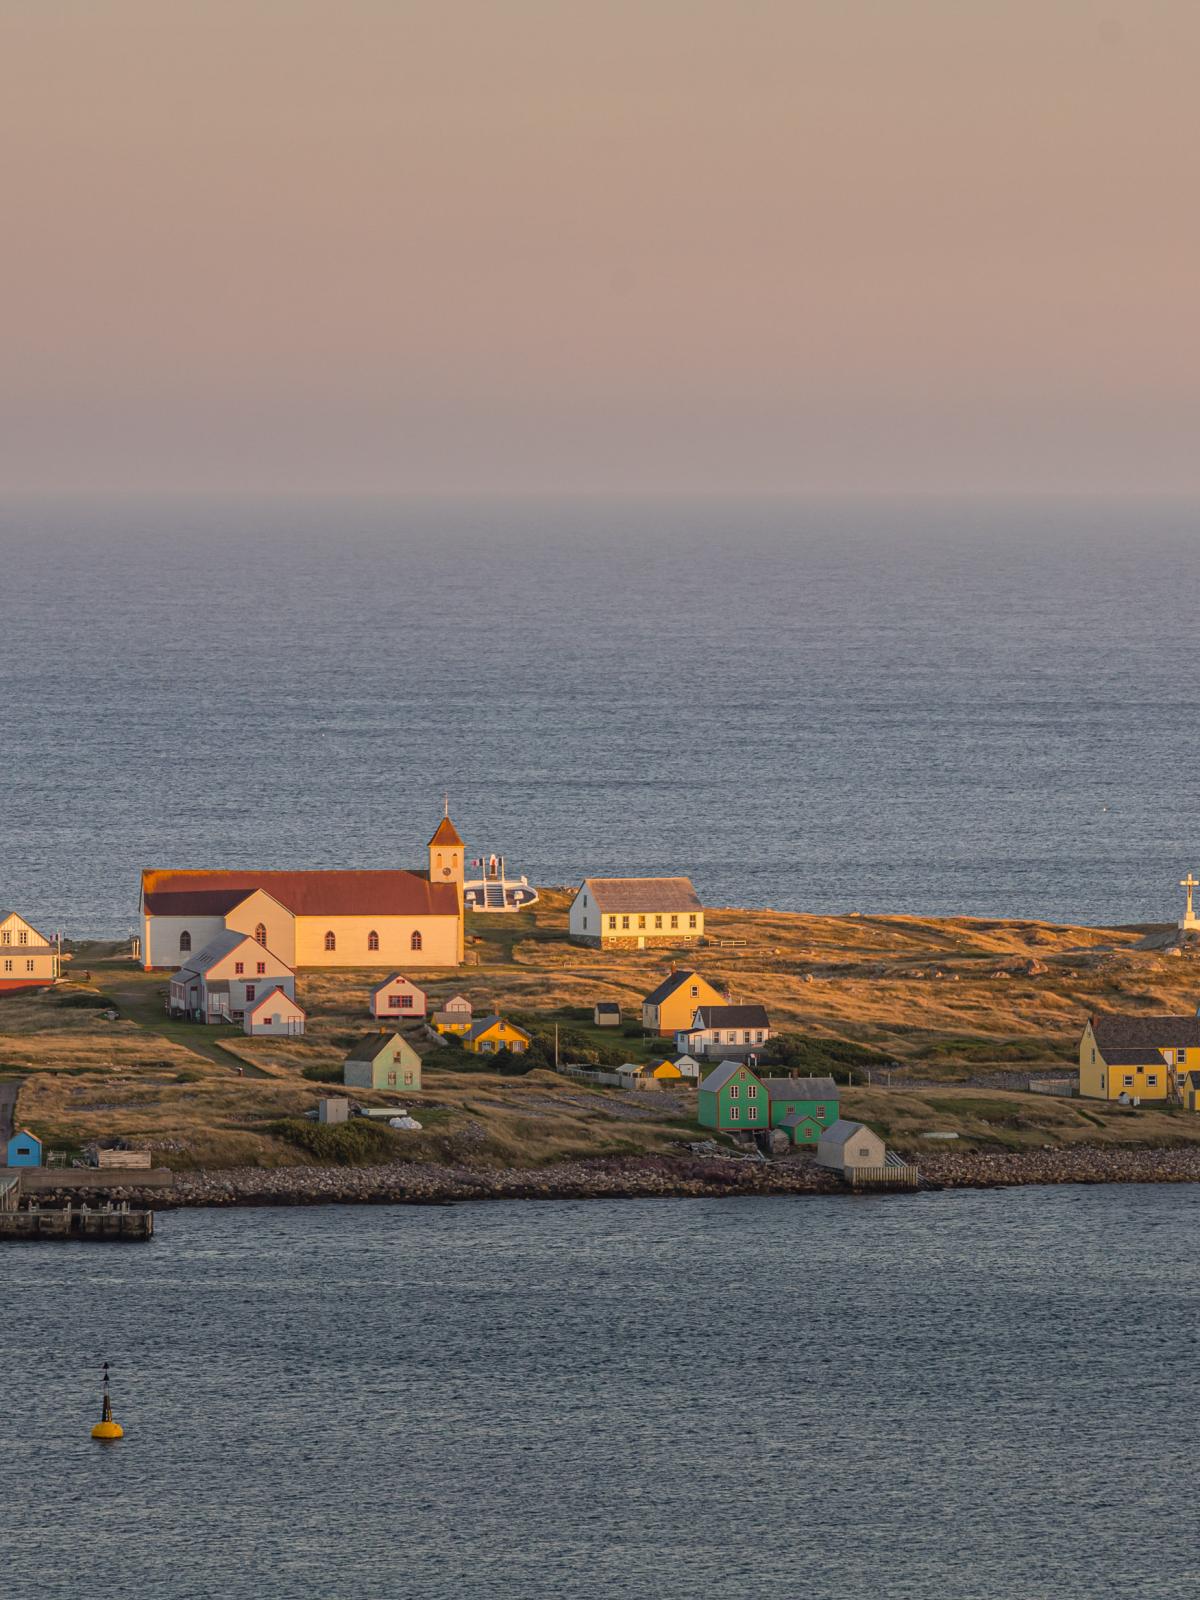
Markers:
<point>926,708</point>
<point>979,1395</point>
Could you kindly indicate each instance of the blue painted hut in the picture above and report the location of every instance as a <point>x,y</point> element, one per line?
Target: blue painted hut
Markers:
<point>24,1149</point>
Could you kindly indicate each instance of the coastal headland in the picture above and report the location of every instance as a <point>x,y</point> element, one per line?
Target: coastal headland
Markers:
<point>940,1025</point>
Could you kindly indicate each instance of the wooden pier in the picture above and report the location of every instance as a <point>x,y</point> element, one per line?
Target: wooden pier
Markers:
<point>31,1221</point>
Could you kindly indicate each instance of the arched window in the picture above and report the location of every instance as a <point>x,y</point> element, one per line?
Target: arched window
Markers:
<point>415,941</point>
<point>260,933</point>
<point>185,940</point>
<point>330,941</point>
<point>372,940</point>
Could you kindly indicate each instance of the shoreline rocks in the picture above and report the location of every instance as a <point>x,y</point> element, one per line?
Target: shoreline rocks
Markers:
<point>634,1177</point>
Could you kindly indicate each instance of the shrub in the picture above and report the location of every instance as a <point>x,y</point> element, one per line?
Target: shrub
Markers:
<point>834,1058</point>
<point>359,1142</point>
<point>322,1072</point>
<point>84,1000</point>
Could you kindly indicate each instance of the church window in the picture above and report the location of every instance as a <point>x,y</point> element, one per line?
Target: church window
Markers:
<point>415,943</point>
<point>624,922</point>
<point>641,922</point>
<point>612,922</point>
<point>372,940</point>
<point>674,922</point>
<point>185,940</point>
<point>658,922</point>
<point>330,941</point>
<point>691,922</point>
<point>260,933</point>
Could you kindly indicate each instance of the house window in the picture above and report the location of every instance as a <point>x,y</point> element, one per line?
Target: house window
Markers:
<point>585,922</point>
<point>29,966</point>
<point>641,922</point>
<point>330,941</point>
<point>261,968</point>
<point>674,922</point>
<point>260,933</point>
<point>734,1092</point>
<point>695,991</point>
<point>1152,1080</point>
<point>864,1150</point>
<point>1127,1080</point>
<point>752,1091</point>
<point>391,1080</point>
<point>821,1112</point>
<point>691,921</point>
<point>22,937</point>
<point>415,942</point>
<point>238,968</point>
<point>8,966</point>
<point>406,1001</point>
<point>734,1113</point>
<point>394,1002</point>
<point>372,940</point>
<point>7,938</point>
<point>624,922</point>
<point>658,922</point>
<point>185,940</point>
<point>746,1038</point>
<point>759,1037</point>
<point>612,922</point>
<point>249,991</point>
<point>408,1078</point>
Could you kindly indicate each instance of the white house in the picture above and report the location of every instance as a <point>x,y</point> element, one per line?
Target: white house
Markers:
<point>850,1146</point>
<point>636,913</point>
<point>27,958</point>
<point>398,997</point>
<point>725,1031</point>
<point>275,1014</point>
<point>226,977</point>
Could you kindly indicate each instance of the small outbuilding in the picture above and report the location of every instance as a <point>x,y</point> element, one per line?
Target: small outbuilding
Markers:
<point>398,998</point>
<point>332,1109</point>
<point>454,1016</point>
<point>606,1014</point>
<point>850,1146</point>
<point>276,1015</point>
<point>383,1060</point>
<point>24,1149</point>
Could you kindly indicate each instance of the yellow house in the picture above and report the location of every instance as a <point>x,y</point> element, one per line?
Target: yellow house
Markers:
<point>676,1000</point>
<point>1142,1057</point>
<point>490,1034</point>
<point>27,958</point>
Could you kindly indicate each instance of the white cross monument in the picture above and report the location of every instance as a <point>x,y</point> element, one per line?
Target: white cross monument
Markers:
<point>1190,920</point>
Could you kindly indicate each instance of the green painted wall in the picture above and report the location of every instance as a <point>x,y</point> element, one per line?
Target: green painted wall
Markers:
<point>806,1108</point>
<point>715,1108</point>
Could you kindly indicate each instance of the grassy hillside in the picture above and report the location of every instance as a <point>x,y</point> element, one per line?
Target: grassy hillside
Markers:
<point>947,1000</point>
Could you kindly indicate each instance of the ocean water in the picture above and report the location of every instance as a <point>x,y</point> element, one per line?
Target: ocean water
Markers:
<point>936,708</point>
<point>977,1395</point>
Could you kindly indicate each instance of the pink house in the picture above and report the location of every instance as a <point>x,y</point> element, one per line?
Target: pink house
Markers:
<point>398,997</point>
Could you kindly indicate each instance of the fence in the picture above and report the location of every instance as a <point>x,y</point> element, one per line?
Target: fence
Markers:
<point>900,1176</point>
<point>1059,1086</point>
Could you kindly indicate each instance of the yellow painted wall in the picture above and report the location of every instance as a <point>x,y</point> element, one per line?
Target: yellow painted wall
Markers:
<point>678,1009</point>
<point>498,1035</point>
<point>1099,1081</point>
<point>650,925</point>
<point>439,941</point>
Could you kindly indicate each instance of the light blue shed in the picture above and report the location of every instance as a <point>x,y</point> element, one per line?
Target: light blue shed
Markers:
<point>24,1149</point>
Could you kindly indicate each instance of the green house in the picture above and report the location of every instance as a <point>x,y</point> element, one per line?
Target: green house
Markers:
<point>732,1099</point>
<point>803,1107</point>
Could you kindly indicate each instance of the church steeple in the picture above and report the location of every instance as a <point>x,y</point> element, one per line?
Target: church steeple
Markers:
<point>446,851</point>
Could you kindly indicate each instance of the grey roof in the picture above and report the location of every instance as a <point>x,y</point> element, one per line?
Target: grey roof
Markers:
<point>840,1133</point>
<point>218,947</point>
<point>608,1005</point>
<point>374,1045</point>
<point>643,894</point>
<point>673,980</point>
<point>729,1017</point>
<point>795,1118</point>
<point>393,978</point>
<point>801,1089</point>
<point>1133,1058</point>
<point>484,1023</point>
<point>721,1074</point>
<point>1116,1031</point>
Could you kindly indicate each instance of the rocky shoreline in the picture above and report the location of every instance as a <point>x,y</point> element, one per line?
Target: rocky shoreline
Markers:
<point>633,1177</point>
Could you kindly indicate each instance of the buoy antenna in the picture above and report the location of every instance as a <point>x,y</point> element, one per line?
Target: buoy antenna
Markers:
<point>106,1428</point>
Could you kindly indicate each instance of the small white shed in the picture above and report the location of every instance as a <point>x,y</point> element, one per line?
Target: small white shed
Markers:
<point>275,1014</point>
<point>849,1146</point>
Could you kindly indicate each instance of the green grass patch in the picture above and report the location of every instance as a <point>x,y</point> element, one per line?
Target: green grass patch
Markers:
<point>357,1143</point>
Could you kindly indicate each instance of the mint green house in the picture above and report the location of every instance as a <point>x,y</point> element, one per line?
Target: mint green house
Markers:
<point>802,1107</point>
<point>732,1099</point>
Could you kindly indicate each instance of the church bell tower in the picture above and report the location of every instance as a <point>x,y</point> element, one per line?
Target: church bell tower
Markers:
<point>446,851</point>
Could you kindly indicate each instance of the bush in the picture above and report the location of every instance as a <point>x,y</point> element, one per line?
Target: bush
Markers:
<point>357,1143</point>
<point>84,1000</point>
<point>322,1072</point>
<point>834,1058</point>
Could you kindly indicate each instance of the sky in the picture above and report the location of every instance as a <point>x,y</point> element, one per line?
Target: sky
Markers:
<point>715,246</point>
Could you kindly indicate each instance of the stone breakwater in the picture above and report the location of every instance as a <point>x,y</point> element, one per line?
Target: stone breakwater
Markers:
<point>633,1177</point>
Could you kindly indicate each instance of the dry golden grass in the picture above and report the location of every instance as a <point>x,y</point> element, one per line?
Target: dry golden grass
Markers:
<point>948,998</point>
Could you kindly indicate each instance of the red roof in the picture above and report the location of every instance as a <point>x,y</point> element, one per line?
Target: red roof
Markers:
<point>446,833</point>
<point>306,894</point>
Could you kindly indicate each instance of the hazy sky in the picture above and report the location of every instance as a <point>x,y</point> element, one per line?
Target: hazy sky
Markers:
<point>628,244</point>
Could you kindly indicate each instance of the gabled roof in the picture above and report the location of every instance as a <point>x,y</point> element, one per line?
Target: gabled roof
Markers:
<point>485,1024</point>
<point>324,893</point>
<point>1134,1058</point>
<point>6,915</point>
<point>276,989</point>
<point>608,1005</point>
<point>643,894</point>
<point>801,1089</point>
<point>1116,1031</point>
<point>221,945</point>
<point>25,1133</point>
<point>729,1017</point>
<point>672,982</point>
<point>795,1118</point>
<point>397,977</point>
<point>373,1046</point>
<point>457,1002</point>
<point>445,833</point>
<point>840,1133</point>
<point>721,1074</point>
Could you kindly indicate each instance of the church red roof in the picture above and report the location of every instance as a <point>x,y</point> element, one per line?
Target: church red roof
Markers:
<point>446,833</point>
<point>305,894</point>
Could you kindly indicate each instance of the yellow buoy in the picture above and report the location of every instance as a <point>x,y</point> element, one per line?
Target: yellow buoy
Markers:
<point>106,1428</point>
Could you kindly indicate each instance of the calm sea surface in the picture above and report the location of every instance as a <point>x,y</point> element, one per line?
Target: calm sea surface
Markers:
<point>953,1397</point>
<point>930,708</point>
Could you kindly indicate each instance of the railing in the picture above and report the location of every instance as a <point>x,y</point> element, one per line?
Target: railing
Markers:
<point>900,1176</point>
